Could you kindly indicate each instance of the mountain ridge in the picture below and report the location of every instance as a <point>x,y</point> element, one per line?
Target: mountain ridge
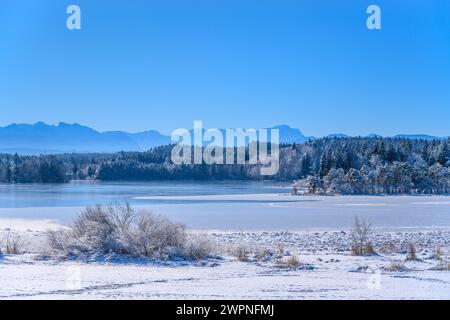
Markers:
<point>43,138</point>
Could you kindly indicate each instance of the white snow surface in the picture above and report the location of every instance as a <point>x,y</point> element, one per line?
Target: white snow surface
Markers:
<point>28,224</point>
<point>328,270</point>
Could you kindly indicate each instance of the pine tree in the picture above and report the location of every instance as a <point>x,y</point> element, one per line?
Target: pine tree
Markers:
<point>443,154</point>
<point>9,174</point>
<point>306,165</point>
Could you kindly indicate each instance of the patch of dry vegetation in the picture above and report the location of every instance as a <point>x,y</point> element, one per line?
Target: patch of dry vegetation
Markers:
<point>121,230</point>
<point>388,247</point>
<point>291,262</point>
<point>437,254</point>
<point>12,243</point>
<point>241,252</point>
<point>361,245</point>
<point>395,266</point>
<point>411,252</point>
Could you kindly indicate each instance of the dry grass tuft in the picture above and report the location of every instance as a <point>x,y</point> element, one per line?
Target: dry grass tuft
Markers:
<point>396,266</point>
<point>411,252</point>
<point>292,262</point>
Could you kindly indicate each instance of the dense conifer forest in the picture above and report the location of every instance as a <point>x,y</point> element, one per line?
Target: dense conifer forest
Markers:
<point>328,165</point>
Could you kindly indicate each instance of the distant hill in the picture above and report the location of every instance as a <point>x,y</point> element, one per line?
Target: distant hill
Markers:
<point>291,135</point>
<point>42,138</point>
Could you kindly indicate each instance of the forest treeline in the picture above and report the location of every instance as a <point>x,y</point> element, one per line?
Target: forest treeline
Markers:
<point>328,165</point>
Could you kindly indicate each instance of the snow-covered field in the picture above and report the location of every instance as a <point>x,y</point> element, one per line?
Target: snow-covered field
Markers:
<point>327,269</point>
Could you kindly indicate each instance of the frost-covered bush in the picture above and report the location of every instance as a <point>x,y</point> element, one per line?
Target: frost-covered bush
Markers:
<point>198,247</point>
<point>62,242</point>
<point>240,252</point>
<point>12,244</point>
<point>153,235</point>
<point>120,229</point>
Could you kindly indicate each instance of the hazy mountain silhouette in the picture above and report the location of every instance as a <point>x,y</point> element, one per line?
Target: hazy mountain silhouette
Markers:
<point>41,138</point>
<point>44,138</point>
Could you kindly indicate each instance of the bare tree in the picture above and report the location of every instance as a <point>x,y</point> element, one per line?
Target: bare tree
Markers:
<point>360,237</point>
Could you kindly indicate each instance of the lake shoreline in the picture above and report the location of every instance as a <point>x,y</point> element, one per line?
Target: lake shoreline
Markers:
<point>231,207</point>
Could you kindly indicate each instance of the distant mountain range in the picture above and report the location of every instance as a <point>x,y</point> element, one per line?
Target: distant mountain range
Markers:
<point>41,138</point>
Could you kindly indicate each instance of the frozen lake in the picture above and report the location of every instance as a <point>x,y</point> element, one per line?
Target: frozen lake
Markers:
<point>228,205</point>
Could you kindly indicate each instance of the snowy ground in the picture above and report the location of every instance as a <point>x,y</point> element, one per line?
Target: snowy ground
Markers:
<point>328,271</point>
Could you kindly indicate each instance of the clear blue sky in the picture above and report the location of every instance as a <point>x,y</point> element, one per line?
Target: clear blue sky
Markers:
<point>162,64</point>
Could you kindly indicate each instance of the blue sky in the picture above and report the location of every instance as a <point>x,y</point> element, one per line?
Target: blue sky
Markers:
<point>160,64</point>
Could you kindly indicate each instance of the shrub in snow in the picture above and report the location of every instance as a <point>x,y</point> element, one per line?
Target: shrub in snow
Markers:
<point>360,238</point>
<point>240,252</point>
<point>369,248</point>
<point>388,248</point>
<point>280,249</point>
<point>156,235</point>
<point>62,242</point>
<point>120,229</point>
<point>292,262</point>
<point>12,243</point>
<point>437,254</point>
<point>198,247</point>
<point>411,252</point>
<point>395,265</point>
